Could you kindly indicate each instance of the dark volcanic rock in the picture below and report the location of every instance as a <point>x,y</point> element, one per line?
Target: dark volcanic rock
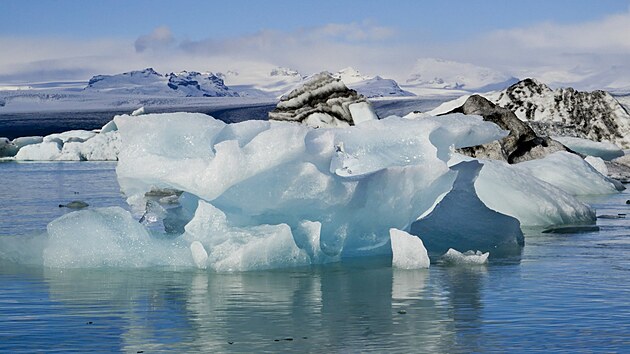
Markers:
<point>323,101</point>
<point>567,112</point>
<point>522,144</point>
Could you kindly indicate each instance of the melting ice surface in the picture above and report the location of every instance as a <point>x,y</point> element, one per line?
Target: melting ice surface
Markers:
<point>260,195</point>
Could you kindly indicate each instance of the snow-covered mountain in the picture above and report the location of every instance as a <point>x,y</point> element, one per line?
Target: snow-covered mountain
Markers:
<point>150,82</point>
<point>439,74</point>
<point>592,115</point>
<point>370,86</point>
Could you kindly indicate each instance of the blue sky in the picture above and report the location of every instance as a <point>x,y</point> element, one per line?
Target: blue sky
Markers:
<point>73,39</point>
<point>200,19</point>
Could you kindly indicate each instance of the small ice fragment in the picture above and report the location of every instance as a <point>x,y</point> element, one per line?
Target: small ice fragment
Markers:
<point>138,112</point>
<point>469,257</point>
<point>408,250</point>
<point>199,254</point>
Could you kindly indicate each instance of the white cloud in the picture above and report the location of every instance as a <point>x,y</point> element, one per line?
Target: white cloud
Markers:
<point>557,52</point>
<point>560,54</point>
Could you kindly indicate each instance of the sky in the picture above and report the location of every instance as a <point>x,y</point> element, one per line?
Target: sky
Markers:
<point>73,40</point>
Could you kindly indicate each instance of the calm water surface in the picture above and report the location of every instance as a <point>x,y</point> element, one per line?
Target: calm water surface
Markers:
<point>567,293</point>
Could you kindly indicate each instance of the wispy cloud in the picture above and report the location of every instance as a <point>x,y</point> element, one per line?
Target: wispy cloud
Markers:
<point>160,38</point>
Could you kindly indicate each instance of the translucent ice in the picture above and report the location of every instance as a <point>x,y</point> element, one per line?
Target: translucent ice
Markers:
<point>242,248</point>
<point>508,190</point>
<point>45,151</point>
<point>107,237</point>
<point>199,254</point>
<point>277,173</point>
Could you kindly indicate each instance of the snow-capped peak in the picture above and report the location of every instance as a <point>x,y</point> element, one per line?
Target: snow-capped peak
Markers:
<point>351,75</point>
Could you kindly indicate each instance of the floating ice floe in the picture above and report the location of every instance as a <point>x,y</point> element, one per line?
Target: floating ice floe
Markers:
<point>79,146</point>
<point>408,251</point>
<point>605,150</point>
<point>453,256</point>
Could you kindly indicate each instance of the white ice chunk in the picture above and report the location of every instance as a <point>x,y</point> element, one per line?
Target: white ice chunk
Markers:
<point>441,109</point>
<point>70,135</point>
<point>453,256</point>
<point>605,150</point>
<point>109,127</point>
<point>101,147</point>
<point>324,120</point>
<point>46,151</point>
<point>598,164</point>
<point>27,140</point>
<point>239,249</point>
<point>199,255</point>
<point>139,111</point>
<point>408,252</point>
<point>362,112</point>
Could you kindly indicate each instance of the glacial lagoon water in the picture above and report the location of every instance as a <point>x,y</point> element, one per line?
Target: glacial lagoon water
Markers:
<point>564,292</point>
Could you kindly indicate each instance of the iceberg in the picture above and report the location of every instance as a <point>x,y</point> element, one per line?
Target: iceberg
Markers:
<point>275,194</point>
<point>73,145</point>
<point>276,173</point>
<point>79,146</point>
